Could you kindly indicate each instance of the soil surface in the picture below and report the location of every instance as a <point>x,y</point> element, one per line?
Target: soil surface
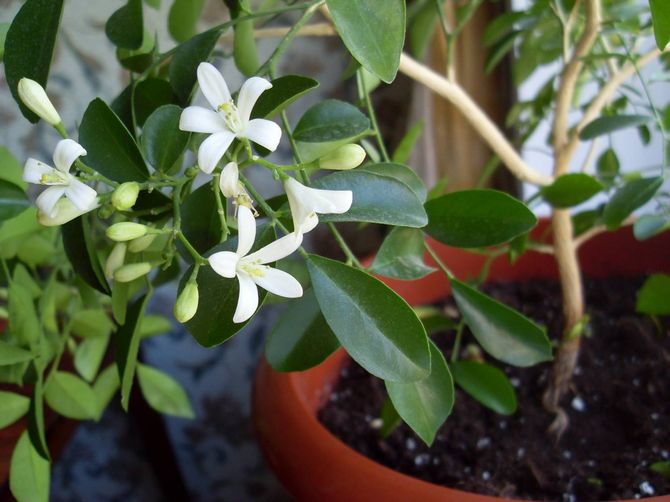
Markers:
<point>619,410</point>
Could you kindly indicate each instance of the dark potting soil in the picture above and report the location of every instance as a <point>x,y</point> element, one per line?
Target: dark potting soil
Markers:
<point>619,409</point>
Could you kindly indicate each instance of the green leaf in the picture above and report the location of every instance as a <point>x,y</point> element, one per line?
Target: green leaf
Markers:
<point>36,429</point>
<point>330,120</point>
<point>29,46</point>
<point>373,31</point>
<point>13,200</point>
<point>153,325</point>
<point>609,124</point>
<point>662,468</point>
<point>12,407</point>
<point>628,198</point>
<point>487,384</point>
<point>29,473</point>
<point>11,169</point>
<point>200,220</point>
<point>24,323</point>
<point>406,146</point>
<point>213,322</point>
<point>401,255</point>
<point>648,225</point>
<point>125,28</point>
<point>285,90</point>
<point>571,189</point>
<point>186,59</point>
<point>501,331</point>
<point>106,386</point>
<point>607,166</point>
<point>4,28</point>
<point>163,392</point>
<point>401,173</point>
<point>80,250</point>
<point>111,150</point>
<point>128,346</point>
<point>88,356</point>
<point>425,405</point>
<point>183,18</point>
<point>120,296</point>
<point>477,218</point>
<point>138,60</point>
<point>11,354</point>
<point>162,140</point>
<point>70,396</point>
<point>390,418</point>
<point>660,16</point>
<point>375,325</point>
<point>376,199</point>
<point>654,296</point>
<point>91,323</point>
<point>301,338</point>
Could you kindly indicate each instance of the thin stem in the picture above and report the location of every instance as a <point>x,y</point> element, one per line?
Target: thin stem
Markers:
<point>219,207</point>
<point>351,257</point>
<point>197,257</point>
<point>5,269</point>
<point>456,349</point>
<point>438,261</point>
<point>89,170</point>
<point>371,114</point>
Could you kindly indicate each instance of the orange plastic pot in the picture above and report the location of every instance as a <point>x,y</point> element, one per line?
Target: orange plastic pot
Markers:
<point>315,465</point>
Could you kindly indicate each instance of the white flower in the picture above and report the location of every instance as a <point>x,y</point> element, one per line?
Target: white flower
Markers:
<point>63,211</point>
<point>305,202</point>
<point>251,269</point>
<point>60,181</point>
<point>229,182</point>
<point>227,121</point>
<point>35,97</point>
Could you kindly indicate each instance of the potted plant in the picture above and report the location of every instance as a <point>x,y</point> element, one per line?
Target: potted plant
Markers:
<point>154,190</point>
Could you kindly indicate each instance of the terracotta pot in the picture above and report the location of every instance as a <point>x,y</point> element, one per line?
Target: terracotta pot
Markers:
<point>315,465</point>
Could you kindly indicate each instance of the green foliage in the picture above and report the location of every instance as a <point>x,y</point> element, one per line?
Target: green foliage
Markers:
<point>330,120</point>
<point>162,140</point>
<point>70,396</point>
<point>401,173</point>
<point>571,189</point>
<point>128,346</point>
<point>12,407</point>
<point>80,250</point>
<point>401,255</point>
<point>245,52</point>
<point>407,144</point>
<point>125,28</point>
<point>183,18</point>
<point>163,392</point>
<point>201,224</point>
<point>29,474</point>
<point>11,354</point>
<point>660,15</point>
<point>13,200</point>
<point>628,198</point>
<point>185,62</point>
<point>487,384</point>
<point>610,124</point>
<point>654,296</point>
<point>285,90</point>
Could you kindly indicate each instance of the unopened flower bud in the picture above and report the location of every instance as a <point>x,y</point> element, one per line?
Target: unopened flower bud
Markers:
<point>141,243</point>
<point>187,303</point>
<point>343,158</point>
<point>35,97</point>
<point>63,211</point>
<point>229,183</point>
<point>125,195</point>
<point>131,271</point>
<point>126,231</point>
<point>115,259</point>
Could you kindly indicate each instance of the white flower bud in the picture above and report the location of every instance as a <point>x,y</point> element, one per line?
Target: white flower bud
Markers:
<point>35,97</point>
<point>125,195</point>
<point>126,231</point>
<point>229,183</point>
<point>343,158</point>
<point>132,271</point>
<point>63,211</point>
<point>187,303</point>
<point>141,243</point>
<point>115,259</point>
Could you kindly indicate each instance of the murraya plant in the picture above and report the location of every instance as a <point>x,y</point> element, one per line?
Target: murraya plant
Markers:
<point>153,190</point>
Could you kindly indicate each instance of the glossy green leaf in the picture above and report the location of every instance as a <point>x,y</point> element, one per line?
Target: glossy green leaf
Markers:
<point>200,220</point>
<point>373,31</point>
<point>120,296</point>
<point>105,387</point>
<point>29,46</point>
<point>407,144</point>
<point>285,90</point>
<point>111,150</point>
<point>648,225</point>
<point>425,405</point>
<point>163,392</point>
<point>80,250</point>
<point>162,140</point>
<point>88,356</point>
<point>70,396</point>
<point>125,27</point>
<point>401,173</point>
<point>23,320</point>
<point>330,120</point>
<point>11,354</point>
<point>13,200</point>
<point>128,346</point>
<point>376,199</point>
<point>149,94</point>
<point>12,407</point>
<point>11,169</point>
<point>477,218</point>
<point>390,418</point>
<point>654,296</point>
<point>29,473</point>
<point>571,189</point>
<point>660,16</point>
<point>628,198</point>
<point>487,384</point>
<point>401,255</point>
<point>611,123</point>
<point>608,166</point>
<point>213,322</point>
<point>36,429</point>
<point>153,325</point>
<point>301,338</point>
<point>375,325</point>
<point>186,59</point>
<point>183,18</point>
<point>91,323</point>
<point>501,331</point>
<point>138,60</point>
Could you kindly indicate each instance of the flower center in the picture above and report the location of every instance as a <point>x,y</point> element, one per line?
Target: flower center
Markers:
<point>54,178</point>
<point>253,268</point>
<point>231,116</point>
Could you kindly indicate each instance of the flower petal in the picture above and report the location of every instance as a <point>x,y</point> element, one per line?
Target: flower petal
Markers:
<point>276,250</point>
<point>81,195</point>
<point>213,85</point>
<point>199,119</point>
<point>63,212</point>
<point>246,230</point>
<point>264,132</point>
<point>229,180</point>
<point>280,283</point>
<point>212,149</point>
<point>34,170</point>
<point>224,263</point>
<point>66,152</point>
<point>309,223</point>
<point>249,93</point>
<point>46,201</point>
<point>247,301</point>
